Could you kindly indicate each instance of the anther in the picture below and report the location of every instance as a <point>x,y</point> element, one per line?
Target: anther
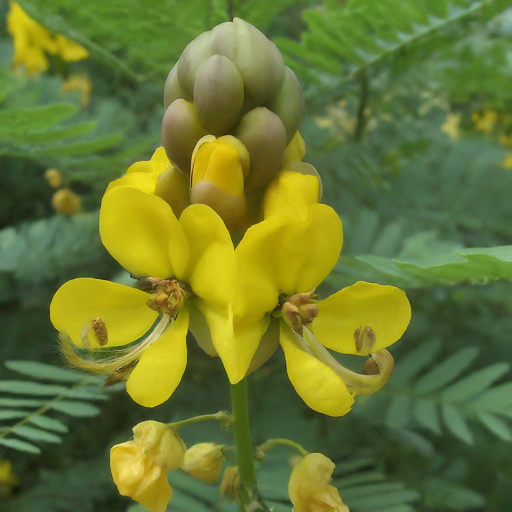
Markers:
<point>364,338</point>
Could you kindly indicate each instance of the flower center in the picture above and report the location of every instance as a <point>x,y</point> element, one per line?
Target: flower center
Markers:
<point>297,310</point>
<point>168,296</point>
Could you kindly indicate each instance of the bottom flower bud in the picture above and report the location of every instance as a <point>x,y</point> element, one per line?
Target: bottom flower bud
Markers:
<point>204,461</point>
<point>139,467</point>
<point>309,488</point>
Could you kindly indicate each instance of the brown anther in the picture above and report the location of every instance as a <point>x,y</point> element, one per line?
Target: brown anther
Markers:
<point>364,338</point>
<point>371,367</point>
<point>308,313</point>
<point>120,374</point>
<point>99,329</point>
<point>292,317</point>
<point>302,299</point>
<point>168,297</point>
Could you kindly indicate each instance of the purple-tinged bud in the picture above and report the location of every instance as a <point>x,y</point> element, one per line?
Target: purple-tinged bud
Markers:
<point>263,134</point>
<point>218,94</point>
<point>260,63</point>
<point>181,130</point>
<point>172,89</point>
<point>192,57</point>
<point>289,104</point>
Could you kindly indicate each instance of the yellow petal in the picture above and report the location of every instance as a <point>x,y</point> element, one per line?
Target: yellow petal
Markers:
<point>220,324</point>
<point>309,250</point>
<point>320,388</point>
<point>123,309</point>
<point>136,228</point>
<point>212,257</point>
<point>144,181</point>
<point>291,191</point>
<point>385,309</point>
<point>159,160</point>
<point>257,282</point>
<point>161,365</point>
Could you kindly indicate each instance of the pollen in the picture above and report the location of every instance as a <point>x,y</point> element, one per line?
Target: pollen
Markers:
<point>168,296</point>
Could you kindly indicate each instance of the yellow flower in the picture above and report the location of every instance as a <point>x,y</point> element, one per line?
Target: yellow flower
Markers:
<point>507,163</point>
<point>485,121</point>
<point>452,126</point>
<point>8,479</point>
<point>204,461</point>
<point>79,83</point>
<point>159,177</point>
<point>188,266</point>
<point>139,467</point>
<point>280,262</point>
<point>309,488</point>
<point>66,201</point>
<point>32,43</point>
<point>53,177</point>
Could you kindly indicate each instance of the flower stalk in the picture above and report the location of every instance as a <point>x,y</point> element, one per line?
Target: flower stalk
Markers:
<point>248,496</point>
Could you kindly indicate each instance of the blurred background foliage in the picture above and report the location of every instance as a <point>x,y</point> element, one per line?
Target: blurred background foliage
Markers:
<point>409,122</point>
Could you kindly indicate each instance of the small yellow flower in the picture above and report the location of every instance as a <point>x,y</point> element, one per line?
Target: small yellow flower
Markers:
<point>507,163</point>
<point>452,126</point>
<point>8,479</point>
<point>204,461</point>
<point>80,83</point>
<point>309,488</point>
<point>139,467</point>
<point>66,201</point>
<point>485,121</point>
<point>53,177</point>
<point>33,42</point>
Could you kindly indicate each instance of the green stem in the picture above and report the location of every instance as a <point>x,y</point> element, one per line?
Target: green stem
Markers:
<point>248,496</point>
<point>268,445</point>
<point>221,416</point>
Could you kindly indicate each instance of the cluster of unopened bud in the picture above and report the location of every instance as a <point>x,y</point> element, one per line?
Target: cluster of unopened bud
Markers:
<point>232,110</point>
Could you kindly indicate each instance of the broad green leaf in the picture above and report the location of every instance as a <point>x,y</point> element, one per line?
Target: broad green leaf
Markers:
<point>22,120</point>
<point>22,446</point>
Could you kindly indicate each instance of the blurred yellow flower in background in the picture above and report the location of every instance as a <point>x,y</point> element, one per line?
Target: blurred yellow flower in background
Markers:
<point>80,83</point>
<point>33,43</point>
<point>485,121</point>
<point>452,126</point>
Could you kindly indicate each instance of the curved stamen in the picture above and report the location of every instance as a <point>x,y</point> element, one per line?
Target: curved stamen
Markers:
<point>358,384</point>
<point>117,367</point>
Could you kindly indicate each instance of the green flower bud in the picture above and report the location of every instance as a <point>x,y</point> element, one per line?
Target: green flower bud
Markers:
<point>181,130</point>
<point>223,40</point>
<point>289,104</point>
<point>218,94</point>
<point>263,134</point>
<point>191,58</point>
<point>172,89</point>
<point>260,63</point>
